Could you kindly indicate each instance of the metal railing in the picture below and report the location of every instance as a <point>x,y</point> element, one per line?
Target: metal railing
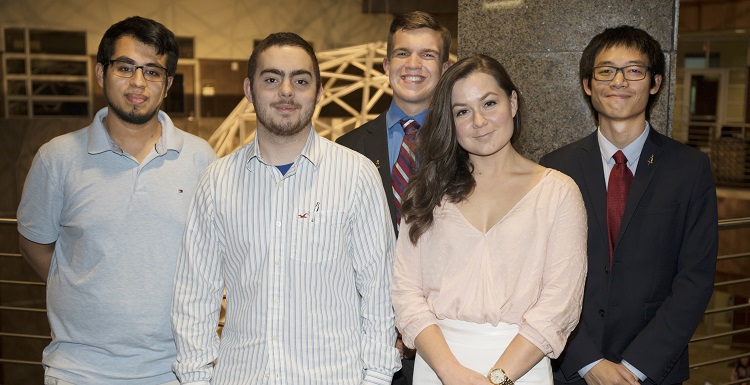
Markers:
<point>721,360</point>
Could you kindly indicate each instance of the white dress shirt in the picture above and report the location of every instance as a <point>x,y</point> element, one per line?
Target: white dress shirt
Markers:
<point>306,261</point>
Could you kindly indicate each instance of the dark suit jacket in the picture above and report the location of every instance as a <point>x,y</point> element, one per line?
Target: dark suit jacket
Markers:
<point>371,140</point>
<point>647,306</point>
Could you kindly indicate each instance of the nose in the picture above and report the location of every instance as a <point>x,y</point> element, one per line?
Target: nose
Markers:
<point>138,79</point>
<point>414,61</point>
<point>619,78</point>
<point>286,89</point>
<point>479,120</point>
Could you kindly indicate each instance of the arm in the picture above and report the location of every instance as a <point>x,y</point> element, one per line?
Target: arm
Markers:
<point>658,346</point>
<point>38,255</point>
<point>554,315</point>
<point>371,243</point>
<point>198,291</point>
<point>581,349</point>
<point>435,351</point>
<point>39,216</point>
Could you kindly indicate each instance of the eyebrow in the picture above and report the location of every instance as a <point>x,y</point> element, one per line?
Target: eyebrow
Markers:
<point>281,73</point>
<point>131,61</point>
<point>404,49</point>
<point>454,105</point>
<point>612,64</point>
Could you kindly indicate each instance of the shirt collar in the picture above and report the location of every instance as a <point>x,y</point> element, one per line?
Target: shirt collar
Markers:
<point>311,151</point>
<point>395,114</point>
<point>99,140</point>
<point>632,151</point>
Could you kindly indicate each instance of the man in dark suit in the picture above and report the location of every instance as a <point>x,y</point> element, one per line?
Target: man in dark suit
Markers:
<point>417,55</point>
<point>650,271</point>
<point>418,50</point>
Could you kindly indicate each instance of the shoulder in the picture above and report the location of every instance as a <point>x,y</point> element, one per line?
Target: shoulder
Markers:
<point>557,182</point>
<point>198,146</point>
<point>70,144</point>
<point>360,133</point>
<point>566,151</point>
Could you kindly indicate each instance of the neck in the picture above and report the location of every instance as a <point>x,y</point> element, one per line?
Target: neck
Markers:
<point>280,150</point>
<point>411,109</point>
<point>498,163</point>
<point>135,139</point>
<point>622,133</point>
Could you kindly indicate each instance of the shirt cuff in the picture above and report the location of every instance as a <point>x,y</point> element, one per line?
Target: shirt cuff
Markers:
<point>635,371</point>
<point>375,378</point>
<point>588,367</point>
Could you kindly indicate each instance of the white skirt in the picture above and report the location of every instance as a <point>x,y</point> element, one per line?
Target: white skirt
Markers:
<point>478,347</point>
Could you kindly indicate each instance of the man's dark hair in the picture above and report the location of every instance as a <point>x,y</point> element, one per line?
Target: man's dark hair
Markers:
<point>410,21</point>
<point>624,36</point>
<point>282,39</point>
<point>144,30</point>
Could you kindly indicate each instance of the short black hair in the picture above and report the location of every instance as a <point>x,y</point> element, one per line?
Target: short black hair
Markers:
<point>281,39</point>
<point>144,30</point>
<point>410,21</point>
<point>624,36</point>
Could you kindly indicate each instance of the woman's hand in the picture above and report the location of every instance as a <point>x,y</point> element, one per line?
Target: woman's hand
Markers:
<point>461,375</point>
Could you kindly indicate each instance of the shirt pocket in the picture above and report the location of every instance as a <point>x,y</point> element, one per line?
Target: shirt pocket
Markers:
<point>317,237</point>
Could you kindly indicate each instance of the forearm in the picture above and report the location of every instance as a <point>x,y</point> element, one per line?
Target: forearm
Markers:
<point>37,255</point>
<point>434,350</point>
<point>520,356</point>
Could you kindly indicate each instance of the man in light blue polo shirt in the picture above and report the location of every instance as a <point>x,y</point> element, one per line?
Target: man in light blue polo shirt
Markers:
<point>102,216</point>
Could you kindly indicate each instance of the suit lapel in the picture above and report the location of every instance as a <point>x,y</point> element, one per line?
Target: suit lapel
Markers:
<point>648,162</point>
<point>591,165</point>
<point>375,148</point>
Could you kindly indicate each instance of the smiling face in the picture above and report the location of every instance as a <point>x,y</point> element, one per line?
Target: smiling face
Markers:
<point>133,100</point>
<point>414,68</point>
<point>621,102</point>
<point>483,114</point>
<point>283,91</point>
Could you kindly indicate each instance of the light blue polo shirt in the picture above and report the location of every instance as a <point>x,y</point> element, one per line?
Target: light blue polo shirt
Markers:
<point>118,228</point>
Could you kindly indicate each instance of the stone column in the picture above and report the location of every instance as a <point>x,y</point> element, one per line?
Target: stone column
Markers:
<point>540,44</point>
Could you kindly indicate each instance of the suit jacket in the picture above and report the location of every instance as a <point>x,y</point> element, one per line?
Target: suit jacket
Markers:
<point>646,307</point>
<point>371,140</point>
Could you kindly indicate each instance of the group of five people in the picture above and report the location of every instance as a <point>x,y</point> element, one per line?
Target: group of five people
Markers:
<point>592,268</point>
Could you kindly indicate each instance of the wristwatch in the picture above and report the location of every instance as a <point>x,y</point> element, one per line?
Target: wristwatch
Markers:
<point>497,376</point>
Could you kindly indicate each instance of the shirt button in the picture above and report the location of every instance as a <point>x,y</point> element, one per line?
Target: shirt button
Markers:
<point>601,312</point>
<point>278,223</point>
<point>274,338</point>
<point>277,262</point>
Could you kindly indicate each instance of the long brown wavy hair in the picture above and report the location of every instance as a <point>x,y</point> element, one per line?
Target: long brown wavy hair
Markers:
<point>444,167</point>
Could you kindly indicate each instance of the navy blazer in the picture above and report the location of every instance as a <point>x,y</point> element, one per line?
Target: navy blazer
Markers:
<point>646,307</point>
<point>371,140</point>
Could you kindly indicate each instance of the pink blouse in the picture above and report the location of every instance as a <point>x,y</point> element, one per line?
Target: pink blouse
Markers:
<point>528,269</point>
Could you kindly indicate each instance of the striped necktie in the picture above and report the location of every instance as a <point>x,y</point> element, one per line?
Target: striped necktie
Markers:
<point>405,164</point>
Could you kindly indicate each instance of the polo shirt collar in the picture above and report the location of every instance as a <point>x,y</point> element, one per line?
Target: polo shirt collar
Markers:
<point>99,140</point>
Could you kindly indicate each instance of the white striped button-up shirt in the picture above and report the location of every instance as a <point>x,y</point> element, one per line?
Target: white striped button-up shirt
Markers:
<point>306,261</point>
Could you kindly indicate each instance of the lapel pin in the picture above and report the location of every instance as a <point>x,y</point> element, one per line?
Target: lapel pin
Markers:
<point>651,159</point>
<point>377,163</point>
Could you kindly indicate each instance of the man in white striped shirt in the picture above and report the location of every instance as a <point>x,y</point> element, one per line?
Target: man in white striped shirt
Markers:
<point>298,231</point>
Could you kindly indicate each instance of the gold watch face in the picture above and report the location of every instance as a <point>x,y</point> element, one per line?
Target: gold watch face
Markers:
<point>497,376</point>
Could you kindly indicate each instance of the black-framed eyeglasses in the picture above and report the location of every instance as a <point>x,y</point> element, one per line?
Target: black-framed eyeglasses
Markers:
<point>633,72</point>
<point>151,73</point>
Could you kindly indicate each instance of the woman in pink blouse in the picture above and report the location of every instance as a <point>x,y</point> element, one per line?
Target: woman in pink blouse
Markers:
<point>491,260</point>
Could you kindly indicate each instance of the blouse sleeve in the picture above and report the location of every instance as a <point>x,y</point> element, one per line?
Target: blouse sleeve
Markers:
<point>553,317</point>
<point>409,302</point>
